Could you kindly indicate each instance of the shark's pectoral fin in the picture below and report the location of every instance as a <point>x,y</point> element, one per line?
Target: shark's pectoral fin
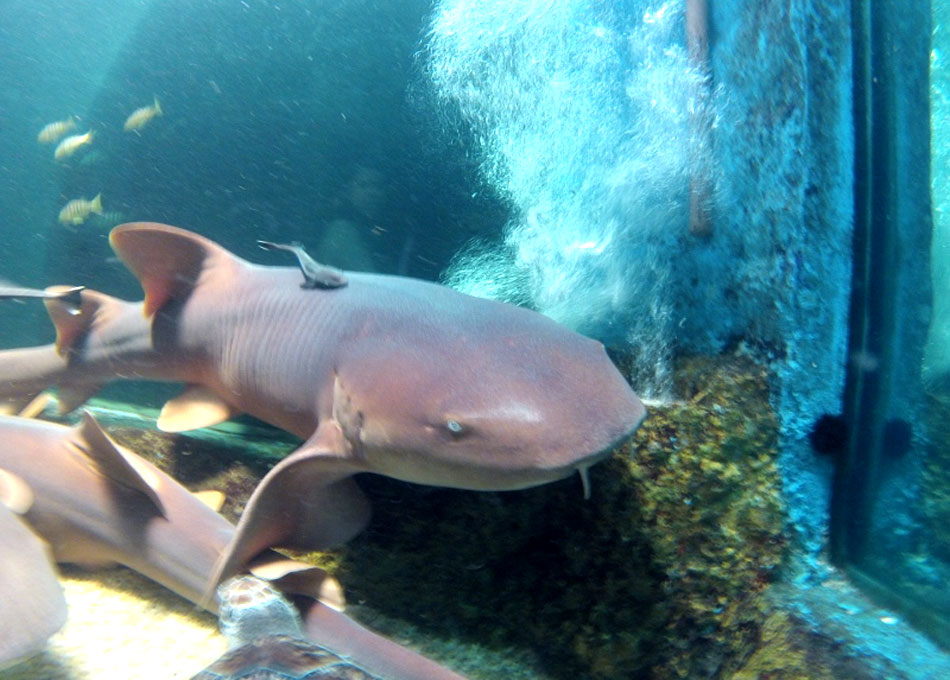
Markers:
<point>308,501</point>
<point>194,408</point>
<point>33,604</point>
<point>300,578</point>
<point>115,463</point>
<point>36,405</point>
<point>11,406</point>
<point>71,397</point>
<point>28,406</point>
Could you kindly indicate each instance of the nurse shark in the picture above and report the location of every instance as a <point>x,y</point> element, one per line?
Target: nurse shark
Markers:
<point>72,494</point>
<point>383,374</point>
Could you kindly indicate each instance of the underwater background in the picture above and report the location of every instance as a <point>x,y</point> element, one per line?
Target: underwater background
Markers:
<point>695,213</point>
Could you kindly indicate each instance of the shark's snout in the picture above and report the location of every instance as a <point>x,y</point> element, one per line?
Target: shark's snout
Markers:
<point>520,417</point>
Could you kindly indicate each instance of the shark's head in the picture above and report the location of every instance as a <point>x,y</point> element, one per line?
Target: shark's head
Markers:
<point>500,398</point>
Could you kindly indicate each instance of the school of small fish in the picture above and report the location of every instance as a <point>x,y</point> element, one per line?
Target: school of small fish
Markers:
<point>77,210</point>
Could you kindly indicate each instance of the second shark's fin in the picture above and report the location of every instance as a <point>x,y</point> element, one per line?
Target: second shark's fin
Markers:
<point>194,408</point>
<point>73,320</point>
<point>74,323</point>
<point>114,462</point>
<point>33,604</point>
<point>308,501</point>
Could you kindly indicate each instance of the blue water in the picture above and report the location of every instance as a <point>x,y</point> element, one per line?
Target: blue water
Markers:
<point>279,119</point>
<point>540,152</point>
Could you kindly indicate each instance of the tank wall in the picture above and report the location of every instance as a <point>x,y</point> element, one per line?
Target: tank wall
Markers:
<point>788,148</point>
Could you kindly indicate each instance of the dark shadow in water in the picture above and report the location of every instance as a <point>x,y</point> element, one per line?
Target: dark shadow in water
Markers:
<point>276,122</point>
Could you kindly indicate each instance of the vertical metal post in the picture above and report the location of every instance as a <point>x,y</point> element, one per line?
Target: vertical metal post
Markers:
<point>873,294</point>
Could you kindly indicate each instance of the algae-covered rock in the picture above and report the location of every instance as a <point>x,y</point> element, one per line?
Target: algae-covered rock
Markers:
<point>789,650</point>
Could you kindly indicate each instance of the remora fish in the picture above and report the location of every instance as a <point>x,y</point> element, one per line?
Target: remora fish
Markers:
<point>315,275</point>
<point>68,294</point>
<point>93,502</point>
<point>387,374</point>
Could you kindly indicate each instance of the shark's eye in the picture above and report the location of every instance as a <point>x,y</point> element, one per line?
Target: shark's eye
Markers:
<point>454,427</point>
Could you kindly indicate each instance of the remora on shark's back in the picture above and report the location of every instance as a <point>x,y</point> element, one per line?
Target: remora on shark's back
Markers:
<point>386,374</point>
<point>74,495</point>
<point>69,294</point>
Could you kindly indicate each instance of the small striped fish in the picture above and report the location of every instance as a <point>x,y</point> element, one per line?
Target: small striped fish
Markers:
<point>78,209</point>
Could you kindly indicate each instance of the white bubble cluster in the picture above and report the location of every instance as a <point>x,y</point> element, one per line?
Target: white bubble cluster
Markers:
<point>591,121</point>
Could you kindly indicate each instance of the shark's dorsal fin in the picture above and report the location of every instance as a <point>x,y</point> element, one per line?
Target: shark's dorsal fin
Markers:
<point>168,261</point>
<point>194,408</point>
<point>72,321</point>
<point>115,463</point>
<point>15,493</point>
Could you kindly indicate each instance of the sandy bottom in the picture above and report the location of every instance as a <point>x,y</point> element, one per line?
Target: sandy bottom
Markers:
<point>121,625</point>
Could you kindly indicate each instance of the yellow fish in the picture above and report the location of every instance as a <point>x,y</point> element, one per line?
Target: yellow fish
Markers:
<point>78,209</point>
<point>52,132</point>
<point>70,145</point>
<point>140,117</point>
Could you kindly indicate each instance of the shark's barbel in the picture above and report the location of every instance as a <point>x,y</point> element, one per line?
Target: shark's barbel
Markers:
<point>386,374</point>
